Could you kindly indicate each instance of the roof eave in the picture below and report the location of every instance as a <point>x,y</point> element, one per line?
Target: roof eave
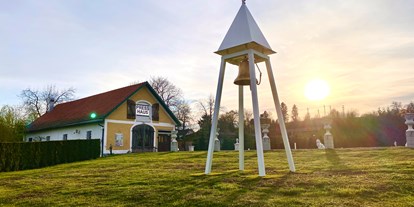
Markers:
<point>66,125</point>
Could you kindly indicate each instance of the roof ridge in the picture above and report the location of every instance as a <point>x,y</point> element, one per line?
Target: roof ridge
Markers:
<point>138,84</point>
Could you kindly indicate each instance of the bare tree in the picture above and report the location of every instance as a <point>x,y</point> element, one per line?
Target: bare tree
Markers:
<point>207,106</point>
<point>248,115</point>
<point>36,102</point>
<point>183,113</point>
<point>168,92</point>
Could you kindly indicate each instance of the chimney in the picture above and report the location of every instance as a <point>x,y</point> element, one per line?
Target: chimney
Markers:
<point>51,104</point>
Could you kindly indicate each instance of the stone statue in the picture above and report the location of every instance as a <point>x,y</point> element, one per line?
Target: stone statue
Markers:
<point>319,144</point>
<point>174,143</point>
<point>236,145</point>
<point>217,146</point>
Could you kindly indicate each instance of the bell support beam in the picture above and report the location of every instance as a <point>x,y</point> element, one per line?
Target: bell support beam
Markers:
<point>234,55</point>
<point>215,117</point>
<point>241,129</point>
<point>255,103</point>
<point>280,116</point>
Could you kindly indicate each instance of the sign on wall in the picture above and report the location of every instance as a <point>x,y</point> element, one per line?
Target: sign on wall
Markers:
<point>143,112</point>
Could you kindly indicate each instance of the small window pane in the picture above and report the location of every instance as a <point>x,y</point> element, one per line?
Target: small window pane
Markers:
<point>89,135</point>
<point>119,139</point>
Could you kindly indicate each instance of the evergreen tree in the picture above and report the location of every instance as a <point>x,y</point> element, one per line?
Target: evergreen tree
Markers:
<point>295,113</point>
<point>284,112</point>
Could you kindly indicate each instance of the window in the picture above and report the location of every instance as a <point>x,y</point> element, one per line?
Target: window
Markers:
<point>65,136</point>
<point>155,112</point>
<point>30,139</point>
<point>89,135</point>
<point>47,138</point>
<point>119,139</point>
<point>130,109</point>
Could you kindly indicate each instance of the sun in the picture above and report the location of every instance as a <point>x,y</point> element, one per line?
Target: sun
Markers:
<point>316,90</point>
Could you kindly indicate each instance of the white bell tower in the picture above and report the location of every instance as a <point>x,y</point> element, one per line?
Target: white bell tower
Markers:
<point>244,40</point>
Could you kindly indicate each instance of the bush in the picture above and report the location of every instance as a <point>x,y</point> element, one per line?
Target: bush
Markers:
<point>28,155</point>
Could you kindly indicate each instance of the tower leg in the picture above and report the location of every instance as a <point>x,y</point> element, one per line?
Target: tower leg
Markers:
<point>215,118</point>
<point>280,117</point>
<point>241,129</point>
<point>257,131</point>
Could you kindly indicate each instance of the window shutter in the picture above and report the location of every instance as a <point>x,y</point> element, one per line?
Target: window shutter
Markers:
<point>130,109</point>
<point>155,112</point>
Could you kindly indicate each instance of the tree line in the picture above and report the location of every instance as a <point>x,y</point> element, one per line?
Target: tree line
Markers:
<point>382,127</point>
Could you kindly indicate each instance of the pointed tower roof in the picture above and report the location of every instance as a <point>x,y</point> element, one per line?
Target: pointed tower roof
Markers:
<point>244,33</point>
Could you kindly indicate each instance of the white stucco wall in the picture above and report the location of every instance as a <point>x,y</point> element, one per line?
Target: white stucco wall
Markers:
<point>76,132</point>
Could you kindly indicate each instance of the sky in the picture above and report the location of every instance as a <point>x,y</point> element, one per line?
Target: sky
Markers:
<point>364,50</point>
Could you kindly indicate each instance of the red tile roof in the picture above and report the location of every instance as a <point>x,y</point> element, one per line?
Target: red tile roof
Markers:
<point>78,111</point>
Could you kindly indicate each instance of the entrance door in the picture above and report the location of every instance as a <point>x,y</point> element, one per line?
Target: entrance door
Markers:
<point>143,138</point>
<point>164,142</point>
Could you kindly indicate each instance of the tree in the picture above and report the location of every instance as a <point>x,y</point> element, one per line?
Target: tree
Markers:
<point>227,123</point>
<point>334,114</point>
<point>307,116</point>
<point>249,135</point>
<point>37,102</point>
<point>12,124</point>
<point>183,113</point>
<point>410,107</point>
<point>295,113</point>
<point>284,112</point>
<point>202,136</point>
<point>207,106</point>
<point>169,93</point>
<point>396,108</point>
<point>228,120</point>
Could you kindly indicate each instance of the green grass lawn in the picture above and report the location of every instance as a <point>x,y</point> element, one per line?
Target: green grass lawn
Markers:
<point>341,177</point>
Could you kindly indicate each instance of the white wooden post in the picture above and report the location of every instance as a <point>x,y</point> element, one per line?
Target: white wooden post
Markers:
<point>215,117</point>
<point>280,117</point>
<point>255,103</point>
<point>241,129</point>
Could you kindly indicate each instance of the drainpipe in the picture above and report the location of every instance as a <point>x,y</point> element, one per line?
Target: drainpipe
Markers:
<point>102,140</point>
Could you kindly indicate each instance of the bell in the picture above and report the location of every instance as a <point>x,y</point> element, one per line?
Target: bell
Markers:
<point>243,78</point>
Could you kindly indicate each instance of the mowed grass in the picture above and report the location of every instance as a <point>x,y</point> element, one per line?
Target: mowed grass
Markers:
<point>341,177</point>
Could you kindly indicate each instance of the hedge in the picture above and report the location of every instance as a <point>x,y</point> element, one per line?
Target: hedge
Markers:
<point>30,155</point>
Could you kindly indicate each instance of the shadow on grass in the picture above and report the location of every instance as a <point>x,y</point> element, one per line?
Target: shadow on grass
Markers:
<point>335,160</point>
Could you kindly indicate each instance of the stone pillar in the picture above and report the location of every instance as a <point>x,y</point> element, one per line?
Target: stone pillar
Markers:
<point>236,145</point>
<point>174,143</point>
<point>328,138</point>
<point>409,134</point>
<point>217,142</point>
<point>266,139</point>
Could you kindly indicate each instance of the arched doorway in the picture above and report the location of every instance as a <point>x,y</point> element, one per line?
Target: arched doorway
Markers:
<point>142,138</point>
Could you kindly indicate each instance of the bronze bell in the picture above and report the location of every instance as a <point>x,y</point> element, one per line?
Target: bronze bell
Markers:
<point>243,78</point>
